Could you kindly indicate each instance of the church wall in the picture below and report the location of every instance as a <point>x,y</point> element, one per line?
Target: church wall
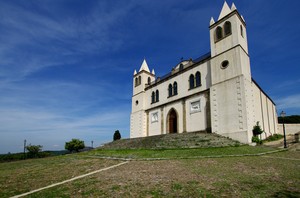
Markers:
<point>137,124</point>
<point>258,111</point>
<point>229,116</point>
<point>183,86</point>
<point>154,122</point>
<point>265,112</point>
<point>196,118</point>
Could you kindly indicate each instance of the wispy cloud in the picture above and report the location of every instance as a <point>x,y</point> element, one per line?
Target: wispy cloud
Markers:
<point>290,102</point>
<point>32,40</point>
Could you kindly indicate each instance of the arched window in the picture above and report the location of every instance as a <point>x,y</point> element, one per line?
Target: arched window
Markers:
<point>170,90</point>
<point>140,80</point>
<point>157,96</point>
<point>153,97</point>
<point>198,79</point>
<point>242,31</point>
<point>191,80</point>
<point>136,81</point>
<point>175,88</point>
<point>180,67</point>
<point>227,28</point>
<point>219,33</point>
<point>149,80</point>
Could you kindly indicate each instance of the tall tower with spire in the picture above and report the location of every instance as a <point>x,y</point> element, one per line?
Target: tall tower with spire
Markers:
<point>231,102</point>
<point>138,119</point>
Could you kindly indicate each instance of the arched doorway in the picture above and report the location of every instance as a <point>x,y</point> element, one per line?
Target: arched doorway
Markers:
<point>172,121</point>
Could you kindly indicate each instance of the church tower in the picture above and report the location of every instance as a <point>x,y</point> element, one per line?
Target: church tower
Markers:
<point>230,96</point>
<point>138,118</point>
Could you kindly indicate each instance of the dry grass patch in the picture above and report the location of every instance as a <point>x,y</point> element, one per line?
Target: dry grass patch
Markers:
<point>23,176</point>
<point>218,177</point>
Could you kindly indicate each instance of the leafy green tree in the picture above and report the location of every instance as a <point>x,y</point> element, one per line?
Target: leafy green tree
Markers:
<point>117,135</point>
<point>33,150</point>
<point>74,145</point>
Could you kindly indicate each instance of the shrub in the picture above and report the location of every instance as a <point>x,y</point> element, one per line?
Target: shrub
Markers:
<point>117,135</point>
<point>257,140</point>
<point>274,137</point>
<point>257,129</point>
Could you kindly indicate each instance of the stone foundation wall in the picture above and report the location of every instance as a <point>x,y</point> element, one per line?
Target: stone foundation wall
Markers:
<point>290,129</point>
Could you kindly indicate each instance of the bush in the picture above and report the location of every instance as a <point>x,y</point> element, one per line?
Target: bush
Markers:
<point>257,140</point>
<point>257,129</point>
<point>273,137</point>
<point>117,135</point>
<point>74,145</point>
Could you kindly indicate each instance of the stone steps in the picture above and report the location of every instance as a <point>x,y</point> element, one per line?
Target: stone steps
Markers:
<point>199,139</point>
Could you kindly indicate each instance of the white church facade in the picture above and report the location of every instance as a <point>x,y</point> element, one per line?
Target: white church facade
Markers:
<point>214,92</point>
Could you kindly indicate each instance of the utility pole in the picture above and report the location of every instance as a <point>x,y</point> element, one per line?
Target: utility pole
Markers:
<point>24,149</point>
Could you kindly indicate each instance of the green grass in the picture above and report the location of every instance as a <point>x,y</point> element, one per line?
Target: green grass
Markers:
<point>179,153</point>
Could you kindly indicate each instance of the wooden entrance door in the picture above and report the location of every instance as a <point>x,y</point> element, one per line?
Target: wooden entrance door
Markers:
<point>172,121</point>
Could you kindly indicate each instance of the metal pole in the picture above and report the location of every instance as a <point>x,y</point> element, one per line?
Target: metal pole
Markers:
<point>284,137</point>
<point>24,149</point>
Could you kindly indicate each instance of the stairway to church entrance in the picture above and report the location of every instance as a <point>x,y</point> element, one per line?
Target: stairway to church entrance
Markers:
<point>172,120</point>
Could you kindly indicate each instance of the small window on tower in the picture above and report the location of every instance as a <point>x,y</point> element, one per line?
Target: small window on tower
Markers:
<point>227,28</point>
<point>242,31</point>
<point>219,33</point>
<point>140,80</point>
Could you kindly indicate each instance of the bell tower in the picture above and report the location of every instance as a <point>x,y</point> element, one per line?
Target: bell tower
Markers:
<point>141,80</point>
<point>231,102</point>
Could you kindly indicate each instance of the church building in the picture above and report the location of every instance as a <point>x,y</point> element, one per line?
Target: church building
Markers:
<point>214,92</point>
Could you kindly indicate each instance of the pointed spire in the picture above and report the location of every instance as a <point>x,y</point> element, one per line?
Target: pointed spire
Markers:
<point>153,72</point>
<point>144,66</point>
<point>225,10</point>
<point>212,21</point>
<point>233,7</point>
<point>134,73</point>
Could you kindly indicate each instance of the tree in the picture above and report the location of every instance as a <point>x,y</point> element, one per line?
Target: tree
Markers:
<point>74,145</point>
<point>34,150</point>
<point>117,135</point>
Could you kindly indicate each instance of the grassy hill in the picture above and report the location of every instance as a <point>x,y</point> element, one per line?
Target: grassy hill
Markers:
<point>199,139</point>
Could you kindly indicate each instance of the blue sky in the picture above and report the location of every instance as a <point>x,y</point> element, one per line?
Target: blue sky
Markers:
<point>66,66</point>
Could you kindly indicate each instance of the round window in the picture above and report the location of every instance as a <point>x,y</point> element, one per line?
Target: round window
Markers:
<point>136,102</point>
<point>224,64</point>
